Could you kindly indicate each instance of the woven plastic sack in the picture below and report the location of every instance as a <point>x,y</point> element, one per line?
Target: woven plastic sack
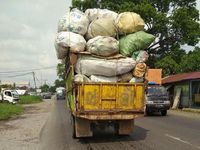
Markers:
<point>75,42</point>
<point>95,66</point>
<point>134,42</point>
<point>103,46</point>
<point>74,21</point>
<point>136,80</point>
<point>126,77</point>
<point>61,52</point>
<point>139,70</point>
<point>96,13</point>
<point>81,78</point>
<point>140,56</point>
<point>102,27</point>
<point>97,78</point>
<point>129,22</point>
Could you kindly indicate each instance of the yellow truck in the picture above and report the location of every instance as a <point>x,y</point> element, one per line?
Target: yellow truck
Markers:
<point>98,105</point>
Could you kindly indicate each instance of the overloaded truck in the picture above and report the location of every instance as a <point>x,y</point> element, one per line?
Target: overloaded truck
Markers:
<point>99,105</point>
<point>105,67</point>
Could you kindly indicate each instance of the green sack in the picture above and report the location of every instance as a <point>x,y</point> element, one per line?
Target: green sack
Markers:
<point>134,42</point>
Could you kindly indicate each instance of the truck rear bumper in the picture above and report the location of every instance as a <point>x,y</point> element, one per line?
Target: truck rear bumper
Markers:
<point>157,107</point>
<point>108,116</point>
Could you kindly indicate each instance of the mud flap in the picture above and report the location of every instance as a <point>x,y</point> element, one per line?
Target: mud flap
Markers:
<point>126,127</point>
<point>82,128</point>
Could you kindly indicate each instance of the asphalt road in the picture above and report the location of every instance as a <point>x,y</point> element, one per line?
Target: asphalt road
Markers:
<point>172,132</point>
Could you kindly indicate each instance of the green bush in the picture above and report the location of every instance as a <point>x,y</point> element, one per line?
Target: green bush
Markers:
<point>29,99</point>
<point>8,110</point>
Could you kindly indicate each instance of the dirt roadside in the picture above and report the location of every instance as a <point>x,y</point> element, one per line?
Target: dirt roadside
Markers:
<point>23,132</point>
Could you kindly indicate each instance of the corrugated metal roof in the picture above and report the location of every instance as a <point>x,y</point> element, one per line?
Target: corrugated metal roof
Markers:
<point>181,77</point>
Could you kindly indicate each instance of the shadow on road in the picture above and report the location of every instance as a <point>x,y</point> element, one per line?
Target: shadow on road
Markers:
<point>106,137</point>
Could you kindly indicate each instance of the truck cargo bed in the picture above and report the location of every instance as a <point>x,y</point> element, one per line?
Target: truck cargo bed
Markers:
<point>100,101</point>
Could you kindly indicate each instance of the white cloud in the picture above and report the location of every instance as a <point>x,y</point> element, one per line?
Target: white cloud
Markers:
<point>28,30</point>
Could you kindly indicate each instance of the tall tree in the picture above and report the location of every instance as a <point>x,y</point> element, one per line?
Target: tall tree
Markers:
<point>60,70</point>
<point>173,22</point>
<point>190,62</point>
<point>45,88</point>
<point>60,82</point>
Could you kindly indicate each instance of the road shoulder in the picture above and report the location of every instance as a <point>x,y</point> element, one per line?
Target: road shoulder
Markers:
<point>23,132</point>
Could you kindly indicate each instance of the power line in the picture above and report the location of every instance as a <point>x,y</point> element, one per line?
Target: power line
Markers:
<point>18,71</point>
<point>18,75</point>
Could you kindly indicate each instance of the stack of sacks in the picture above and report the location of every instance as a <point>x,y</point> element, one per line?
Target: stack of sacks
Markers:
<point>71,29</point>
<point>104,46</point>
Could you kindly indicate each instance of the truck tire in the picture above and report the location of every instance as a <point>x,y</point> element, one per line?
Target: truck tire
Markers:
<point>147,113</point>
<point>116,129</point>
<point>82,128</point>
<point>73,127</point>
<point>126,127</point>
<point>163,112</point>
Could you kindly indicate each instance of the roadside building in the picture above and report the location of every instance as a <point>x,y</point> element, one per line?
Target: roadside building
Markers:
<point>17,85</point>
<point>187,85</point>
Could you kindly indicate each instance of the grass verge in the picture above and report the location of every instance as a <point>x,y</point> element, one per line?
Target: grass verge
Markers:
<point>9,110</point>
<point>29,99</point>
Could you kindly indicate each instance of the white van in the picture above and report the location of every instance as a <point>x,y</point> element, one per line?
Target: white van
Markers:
<point>10,96</point>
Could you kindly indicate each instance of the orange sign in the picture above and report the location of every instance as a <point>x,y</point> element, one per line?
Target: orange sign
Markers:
<point>154,75</point>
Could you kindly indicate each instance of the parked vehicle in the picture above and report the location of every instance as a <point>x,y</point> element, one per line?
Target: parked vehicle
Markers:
<point>60,93</point>
<point>10,96</point>
<point>32,93</point>
<point>99,105</point>
<point>157,100</point>
<point>46,95</point>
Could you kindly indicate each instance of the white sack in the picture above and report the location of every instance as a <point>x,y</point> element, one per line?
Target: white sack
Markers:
<point>103,46</point>
<point>75,42</point>
<point>96,13</point>
<point>95,66</point>
<point>140,56</point>
<point>136,80</point>
<point>97,78</point>
<point>101,27</point>
<point>126,77</point>
<point>61,52</point>
<point>81,78</point>
<point>75,21</point>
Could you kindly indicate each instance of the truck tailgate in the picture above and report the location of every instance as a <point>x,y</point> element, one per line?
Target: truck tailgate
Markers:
<point>111,96</point>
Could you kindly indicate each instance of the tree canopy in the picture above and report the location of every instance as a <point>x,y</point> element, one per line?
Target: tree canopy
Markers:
<point>173,22</point>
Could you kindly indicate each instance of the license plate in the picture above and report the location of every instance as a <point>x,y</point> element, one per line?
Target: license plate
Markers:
<point>159,105</point>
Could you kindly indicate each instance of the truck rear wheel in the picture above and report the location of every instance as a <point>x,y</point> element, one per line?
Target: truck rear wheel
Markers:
<point>147,113</point>
<point>72,121</point>
<point>126,127</point>
<point>163,112</point>
<point>81,128</point>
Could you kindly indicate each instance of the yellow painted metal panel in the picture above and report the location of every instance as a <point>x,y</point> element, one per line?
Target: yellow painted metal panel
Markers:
<point>111,96</point>
<point>108,104</point>
<point>108,91</point>
<point>139,100</point>
<point>108,96</point>
<point>91,94</point>
<point>126,96</point>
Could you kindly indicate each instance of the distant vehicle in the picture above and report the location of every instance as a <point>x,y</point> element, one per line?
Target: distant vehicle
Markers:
<point>10,96</point>
<point>157,100</point>
<point>46,95</point>
<point>60,93</point>
<point>32,93</point>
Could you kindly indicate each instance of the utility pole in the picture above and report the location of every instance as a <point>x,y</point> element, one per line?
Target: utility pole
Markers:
<point>34,80</point>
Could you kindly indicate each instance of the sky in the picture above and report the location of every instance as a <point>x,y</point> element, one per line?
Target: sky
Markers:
<point>27,32</point>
